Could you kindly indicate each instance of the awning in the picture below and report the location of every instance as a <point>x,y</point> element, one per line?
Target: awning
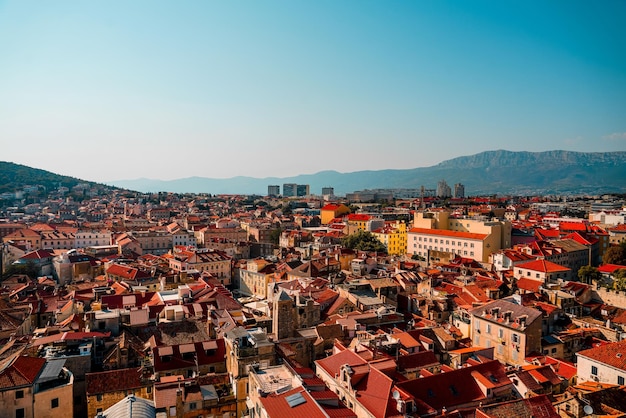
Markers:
<point>209,345</point>
<point>187,348</point>
<point>165,351</point>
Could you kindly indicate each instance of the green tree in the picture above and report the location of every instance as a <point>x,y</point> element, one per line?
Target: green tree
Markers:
<point>363,241</point>
<point>619,279</point>
<point>275,235</point>
<point>588,274</point>
<point>615,254</point>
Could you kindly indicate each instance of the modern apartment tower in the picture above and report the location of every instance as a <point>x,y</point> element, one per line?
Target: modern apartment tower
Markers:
<point>273,190</point>
<point>459,191</point>
<point>290,189</point>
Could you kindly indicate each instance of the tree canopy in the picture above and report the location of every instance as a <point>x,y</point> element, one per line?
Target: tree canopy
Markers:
<point>615,254</point>
<point>619,279</point>
<point>588,274</point>
<point>363,241</point>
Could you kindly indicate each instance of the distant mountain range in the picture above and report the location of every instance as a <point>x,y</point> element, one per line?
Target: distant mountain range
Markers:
<point>491,172</point>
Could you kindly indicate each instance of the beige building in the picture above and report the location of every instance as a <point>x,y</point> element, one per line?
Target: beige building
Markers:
<point>57,240</point>
<point>216,262</point>
<point>512,329</point>
<point>255,278</point>
<point>153,242</point>
<point>473,238</point>
<point>33,387</point>
<point>105,389</point>
<point>228,233</point>
<point>246,348</point>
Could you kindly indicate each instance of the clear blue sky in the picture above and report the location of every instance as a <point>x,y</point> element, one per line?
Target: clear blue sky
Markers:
<point>110,90</point>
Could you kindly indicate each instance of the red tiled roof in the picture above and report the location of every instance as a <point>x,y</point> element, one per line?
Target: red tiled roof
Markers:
<point>455,387</point>
<point>536,406</point>
<point>529,284</point>
<point>610,268</point>
<point>580,239</point>
<point>448,233</point>
<point>543,266</point>
<point>339,411</point>
<point>375,393</point>
<point>113,381</point>
<point>70,336</point>
<point>178,359</point>
<point>37,255</point>
<point>21,372</point>
<point>573,226</point>
<point>331,207</point>
<point>613,354</point>
<point>358,217</point>
<point>276,405</point>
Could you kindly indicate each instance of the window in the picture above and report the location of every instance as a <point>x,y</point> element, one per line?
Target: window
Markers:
<point>515,338</point>
<point>19,394</point>
<point>620,380</point>
<point>99,397</point>
<point>500,333</point>
<point>488,328</point>
<point>193,406</point>
<point>19,413</point>
<point>54,403</point>
<point>594,370</point>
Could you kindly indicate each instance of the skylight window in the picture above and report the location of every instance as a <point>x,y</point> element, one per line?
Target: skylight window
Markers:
<point>295,399</point>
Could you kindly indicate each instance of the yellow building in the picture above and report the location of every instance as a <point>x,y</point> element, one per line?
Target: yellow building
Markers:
<point>332,211</point>
<point>361,222</point>
<point>105,389</point>
<point>394,236</point>
<point>254,279</point>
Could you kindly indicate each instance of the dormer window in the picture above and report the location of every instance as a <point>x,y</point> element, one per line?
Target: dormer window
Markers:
<point>165,353</point>
<point>209,347</point>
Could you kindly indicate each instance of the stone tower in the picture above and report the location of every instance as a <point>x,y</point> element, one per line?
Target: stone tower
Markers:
<point>283,316</point>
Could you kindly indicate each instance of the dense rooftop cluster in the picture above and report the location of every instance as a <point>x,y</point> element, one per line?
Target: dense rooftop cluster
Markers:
<point>173,305</point>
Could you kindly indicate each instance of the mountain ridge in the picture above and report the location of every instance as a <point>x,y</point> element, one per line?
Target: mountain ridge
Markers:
<point>488,172</point>
<point>499,171</point>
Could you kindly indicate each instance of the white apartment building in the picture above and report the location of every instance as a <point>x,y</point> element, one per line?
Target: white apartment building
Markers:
<point>606,364</point>
<point>91,238</point>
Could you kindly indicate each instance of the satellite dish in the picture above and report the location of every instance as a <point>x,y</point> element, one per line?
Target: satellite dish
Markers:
<point>396,395</point>
<point>588,409</point>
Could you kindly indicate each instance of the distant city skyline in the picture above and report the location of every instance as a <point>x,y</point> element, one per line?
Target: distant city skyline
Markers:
<point>115,90</point>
